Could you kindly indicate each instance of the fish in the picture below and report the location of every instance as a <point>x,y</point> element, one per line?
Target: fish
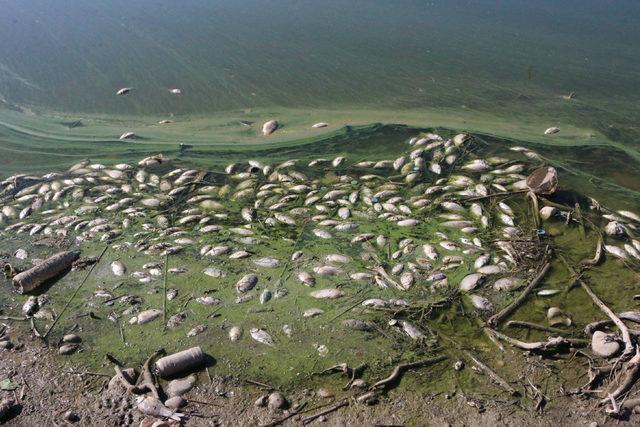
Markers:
<point>327,293</point>
<point>551,131</point>
<point>246,283</point>
<point>124,91</point>
<point>145,316</point>
<point>267,262</point>
<point>269,127</point>
<point>261,336</point>
<point>235,333</point>
<point>306,279</point>
<point>320,125</point>
<point>127,135</point>
<point>471,281</point>
<point>312,312</point>
<point>150,405</point>
<point>118,268</point>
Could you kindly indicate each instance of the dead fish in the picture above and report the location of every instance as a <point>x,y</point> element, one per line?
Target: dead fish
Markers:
<point>266,262</point>
<point>261,336</point>
<point>409,328</point>
<point>327,270</point>
<point>175,91</point>
<point>615,251</point>
<point>507,284</point>
<point>246,283</point>
<point>31,306</point>
<point>481,303</point>
<point>197,330</point>
<point>551,130</point>
<point>265,296</point>
<point>320,125</point>
<point>312,312</point>
<point>323,234</point>
<point>235,333</point>
<point>118,268</point>
<point>358,325</point>
<point>269,127</point>
<point>67,349</point>
<point>145,316</point>
<point>288,331</point>
<point>306,279</point>
<point>548,292</point>
<point>127,135</point>
<point>208,300</point>
<point>471,281</point>
<point>124,91</point>
<point>149,405</point>
<point>214,272</point>
<point>21,254</point>
<point>327,293</point>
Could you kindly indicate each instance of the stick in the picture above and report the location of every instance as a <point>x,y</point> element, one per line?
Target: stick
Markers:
<point>346,310</point>
<point>397,372</point>
<point>495,378</point>
<point>46,334</point>
<point>629,349</point>
<point>308,419</point>
<point>497,318</point>
<point>259,384</point>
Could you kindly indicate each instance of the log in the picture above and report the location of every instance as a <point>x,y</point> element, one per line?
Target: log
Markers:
<point>181,362</point>
<point>31,279</point>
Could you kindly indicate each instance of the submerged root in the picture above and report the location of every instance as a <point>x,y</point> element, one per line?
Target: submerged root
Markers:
<point>399,370</point>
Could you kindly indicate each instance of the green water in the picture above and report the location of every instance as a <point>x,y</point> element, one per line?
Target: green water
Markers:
<point>495,68</point>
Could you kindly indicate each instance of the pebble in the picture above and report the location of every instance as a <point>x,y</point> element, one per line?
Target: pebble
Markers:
<point>175,402</point>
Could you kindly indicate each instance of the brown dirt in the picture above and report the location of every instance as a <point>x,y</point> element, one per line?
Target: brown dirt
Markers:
<point>46,390</point>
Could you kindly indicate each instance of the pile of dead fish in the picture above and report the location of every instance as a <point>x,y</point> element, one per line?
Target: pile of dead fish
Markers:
<point>439,189</point>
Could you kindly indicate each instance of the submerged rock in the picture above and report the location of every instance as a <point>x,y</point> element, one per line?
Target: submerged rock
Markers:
<point>605,345</point>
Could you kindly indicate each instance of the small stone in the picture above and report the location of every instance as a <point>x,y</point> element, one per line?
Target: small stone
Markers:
<point>459,365</point>
<point>277,401</point>
<point>604,345</point>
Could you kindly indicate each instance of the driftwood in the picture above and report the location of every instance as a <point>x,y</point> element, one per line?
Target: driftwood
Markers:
<point>29,280</point>
<point>495,378</point>
<point>631,316</point>
<point>497,318</point>
<point>397,372</point>
<point>629,348</point>
<point>177,363</point>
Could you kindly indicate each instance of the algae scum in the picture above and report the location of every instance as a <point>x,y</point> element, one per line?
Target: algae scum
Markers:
<point>280,270</point>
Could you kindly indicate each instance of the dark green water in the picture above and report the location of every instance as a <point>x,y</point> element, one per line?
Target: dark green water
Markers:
<point>508,62</point>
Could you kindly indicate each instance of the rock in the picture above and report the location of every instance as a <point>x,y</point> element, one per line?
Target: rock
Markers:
<point>180,386</point>
<point>175,402</point>
<point>276,400</point>
<point>604,345</point>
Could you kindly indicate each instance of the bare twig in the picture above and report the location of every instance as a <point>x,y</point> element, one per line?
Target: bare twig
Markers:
<point>397,372</point>
<point>311,418</point>
<point>495,378</point>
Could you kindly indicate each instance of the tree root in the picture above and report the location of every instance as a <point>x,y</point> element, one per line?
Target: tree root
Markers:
<point>399,370</point>
<point>598,255</point>
<point>632,375</point>
<point>497,318</point>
